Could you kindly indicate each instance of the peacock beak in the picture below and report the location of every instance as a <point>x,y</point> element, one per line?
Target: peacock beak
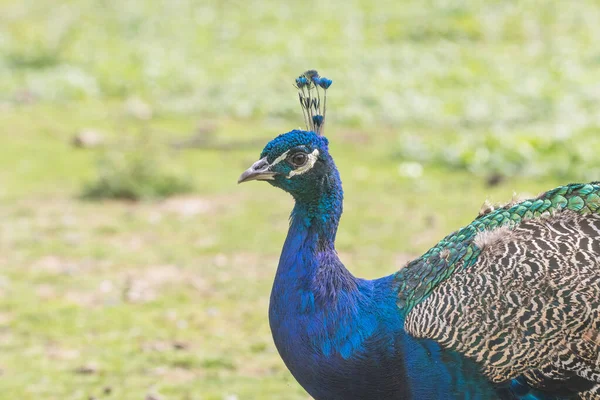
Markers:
<point>259,171</point>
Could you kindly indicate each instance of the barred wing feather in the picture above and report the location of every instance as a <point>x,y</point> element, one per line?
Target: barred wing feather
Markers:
<point>528,306</point>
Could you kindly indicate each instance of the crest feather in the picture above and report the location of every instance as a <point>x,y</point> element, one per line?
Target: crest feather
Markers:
<point>309,86</point>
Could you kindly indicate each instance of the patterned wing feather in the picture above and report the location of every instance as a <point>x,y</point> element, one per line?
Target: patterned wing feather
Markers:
<point>518,291</point>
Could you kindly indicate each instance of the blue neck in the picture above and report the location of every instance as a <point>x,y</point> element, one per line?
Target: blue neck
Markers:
<point>319,210</point>
<point>308,259</point>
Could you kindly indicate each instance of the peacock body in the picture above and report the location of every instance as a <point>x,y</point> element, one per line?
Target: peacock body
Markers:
<point>507,307</point>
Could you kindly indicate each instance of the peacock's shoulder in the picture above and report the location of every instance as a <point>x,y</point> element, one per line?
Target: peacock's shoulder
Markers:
<point>462,248</point>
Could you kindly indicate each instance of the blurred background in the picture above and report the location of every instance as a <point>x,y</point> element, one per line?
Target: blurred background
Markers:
<point>131,264</point>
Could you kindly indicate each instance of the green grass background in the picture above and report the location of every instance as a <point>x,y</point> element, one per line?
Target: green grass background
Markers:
<point>168,298</point>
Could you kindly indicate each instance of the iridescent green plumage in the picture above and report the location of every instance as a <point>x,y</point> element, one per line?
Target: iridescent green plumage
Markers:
<point>458,250</point>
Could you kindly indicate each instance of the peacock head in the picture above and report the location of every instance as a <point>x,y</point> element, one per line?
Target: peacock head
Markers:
<point>299,161</point>
<point>293,161</point>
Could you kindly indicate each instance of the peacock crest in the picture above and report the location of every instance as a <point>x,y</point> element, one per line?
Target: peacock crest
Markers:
<point>309,86</point>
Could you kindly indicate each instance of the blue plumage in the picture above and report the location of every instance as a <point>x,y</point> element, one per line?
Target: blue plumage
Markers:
<point>348,338</point>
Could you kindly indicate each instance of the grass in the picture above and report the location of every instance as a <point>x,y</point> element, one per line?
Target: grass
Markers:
<point>119,299</point>
<point>137,171</point>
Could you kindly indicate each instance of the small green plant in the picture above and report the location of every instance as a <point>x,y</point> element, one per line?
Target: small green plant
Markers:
<point>140,170</point>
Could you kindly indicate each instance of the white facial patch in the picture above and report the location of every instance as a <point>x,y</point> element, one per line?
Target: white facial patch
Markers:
<point>279,159</point>
<point>312,159</point>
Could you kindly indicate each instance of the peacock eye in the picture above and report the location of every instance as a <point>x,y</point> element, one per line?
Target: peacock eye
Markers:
<point>299,159</point>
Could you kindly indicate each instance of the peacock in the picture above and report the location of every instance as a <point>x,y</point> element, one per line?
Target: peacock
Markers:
<point>507,307</point>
